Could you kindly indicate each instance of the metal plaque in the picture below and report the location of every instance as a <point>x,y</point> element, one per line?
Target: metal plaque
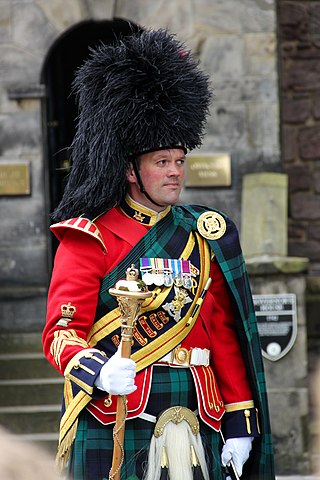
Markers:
<point>277,323</point>
<point>208,170</point>
<point>15,178</point>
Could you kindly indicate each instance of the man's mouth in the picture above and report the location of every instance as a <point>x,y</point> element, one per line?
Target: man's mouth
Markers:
<point>171,185</point>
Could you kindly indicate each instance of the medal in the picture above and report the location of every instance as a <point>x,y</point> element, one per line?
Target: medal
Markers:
<point>158,279</point>
<point>159,276</point>
<point>177,275</point>
<point>167,273</point>
<point>153,278</point>
<point>147,278</point>
<point>145,268</point>
<point>186,274</point>
<point>167,280</point>
<point>177,281</point>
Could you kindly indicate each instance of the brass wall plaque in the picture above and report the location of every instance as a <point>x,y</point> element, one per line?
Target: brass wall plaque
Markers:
<point>15,178</point>
<point>208,170</point>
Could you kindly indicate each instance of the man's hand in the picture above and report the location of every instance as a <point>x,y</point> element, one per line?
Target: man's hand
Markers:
<point>117,375</point>
<point>238,450</point>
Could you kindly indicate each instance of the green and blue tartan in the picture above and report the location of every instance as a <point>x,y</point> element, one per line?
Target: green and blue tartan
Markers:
<point>91,454</point>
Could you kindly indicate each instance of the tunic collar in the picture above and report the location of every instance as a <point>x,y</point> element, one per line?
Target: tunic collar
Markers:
<point>140,213</point>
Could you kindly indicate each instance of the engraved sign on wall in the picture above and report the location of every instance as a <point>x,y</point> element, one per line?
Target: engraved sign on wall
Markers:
<point>208,170</point>
<point>277,323</point>
<point>15,178</point>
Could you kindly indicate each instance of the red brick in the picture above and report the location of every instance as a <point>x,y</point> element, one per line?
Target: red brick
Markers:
<point>305,206</point>
<point>296,110</point>
<point>293,21</point>
<point>299,178</point>
<point>302,74</point>
<point>289,143</point>
<point>313,231</point>
<point>309,249</point>
<point>315,23</point>
<point>309,143</point>
<point>297,230</point>
<point>316,177</point>
<point>316,104</point>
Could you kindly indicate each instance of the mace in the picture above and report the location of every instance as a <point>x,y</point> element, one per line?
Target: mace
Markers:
<point>130,294</point>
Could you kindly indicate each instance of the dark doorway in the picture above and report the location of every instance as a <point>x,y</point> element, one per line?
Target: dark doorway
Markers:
<point>66,55</point>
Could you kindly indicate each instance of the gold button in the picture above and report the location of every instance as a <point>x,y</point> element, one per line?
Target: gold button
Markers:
<point>107,401</point>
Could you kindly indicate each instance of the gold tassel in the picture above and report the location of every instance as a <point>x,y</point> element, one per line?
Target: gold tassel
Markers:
<point>64,447</point>
<point>247,416</point>
<point>194,458</point>
<point>164,471</point>
<point>164,458</point>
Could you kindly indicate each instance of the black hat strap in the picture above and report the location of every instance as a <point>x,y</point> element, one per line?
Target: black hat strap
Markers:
<point>142,189</point>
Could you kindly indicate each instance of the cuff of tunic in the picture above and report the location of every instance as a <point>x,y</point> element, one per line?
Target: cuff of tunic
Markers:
<point>241,420</point>
<point>84,368</point>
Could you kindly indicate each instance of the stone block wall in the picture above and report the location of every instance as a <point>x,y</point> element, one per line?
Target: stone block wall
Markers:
<point>239,52</point>
<point>28,29</point>
<point>299,60</point>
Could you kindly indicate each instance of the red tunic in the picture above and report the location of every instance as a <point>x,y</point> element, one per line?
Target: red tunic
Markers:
<point>82,260</point>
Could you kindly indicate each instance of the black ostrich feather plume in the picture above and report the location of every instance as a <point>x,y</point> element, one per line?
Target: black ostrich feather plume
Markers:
<point>145,92</point>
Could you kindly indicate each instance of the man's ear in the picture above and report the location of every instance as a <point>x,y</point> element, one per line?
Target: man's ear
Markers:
<point>131,176</point>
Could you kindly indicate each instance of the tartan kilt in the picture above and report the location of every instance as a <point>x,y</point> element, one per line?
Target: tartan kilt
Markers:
<point>91,454</point>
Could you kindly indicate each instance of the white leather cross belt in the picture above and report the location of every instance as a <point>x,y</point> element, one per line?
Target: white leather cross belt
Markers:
<point>184,357</point>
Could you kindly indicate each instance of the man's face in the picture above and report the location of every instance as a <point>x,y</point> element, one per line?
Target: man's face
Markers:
<point>162,174</point>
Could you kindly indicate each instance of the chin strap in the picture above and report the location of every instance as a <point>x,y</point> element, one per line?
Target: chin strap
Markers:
<point>142,189</point>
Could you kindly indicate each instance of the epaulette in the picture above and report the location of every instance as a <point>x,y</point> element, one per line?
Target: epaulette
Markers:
<point>80,224</point>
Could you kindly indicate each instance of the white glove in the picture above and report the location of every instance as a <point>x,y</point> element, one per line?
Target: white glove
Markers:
<point>117,375</point>
<point>238,450</point>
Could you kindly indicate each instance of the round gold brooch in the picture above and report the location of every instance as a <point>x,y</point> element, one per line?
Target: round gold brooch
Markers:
<point>211,225</point>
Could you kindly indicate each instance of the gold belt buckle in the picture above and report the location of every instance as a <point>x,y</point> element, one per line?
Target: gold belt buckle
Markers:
<point>182,355</point>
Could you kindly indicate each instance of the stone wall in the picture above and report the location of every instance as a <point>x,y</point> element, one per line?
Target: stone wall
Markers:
<point>239,52</point>
<point>299,59</point>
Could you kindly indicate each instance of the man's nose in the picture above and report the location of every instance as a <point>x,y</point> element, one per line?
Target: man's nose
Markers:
<point>174,170</point>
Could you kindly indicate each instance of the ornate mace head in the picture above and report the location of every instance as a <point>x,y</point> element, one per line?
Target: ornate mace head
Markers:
<point>130,294</point>
<point>132,286</point>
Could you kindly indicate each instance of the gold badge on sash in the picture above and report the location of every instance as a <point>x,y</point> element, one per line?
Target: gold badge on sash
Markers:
<point>174,308</point>
<point>211,225</point>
